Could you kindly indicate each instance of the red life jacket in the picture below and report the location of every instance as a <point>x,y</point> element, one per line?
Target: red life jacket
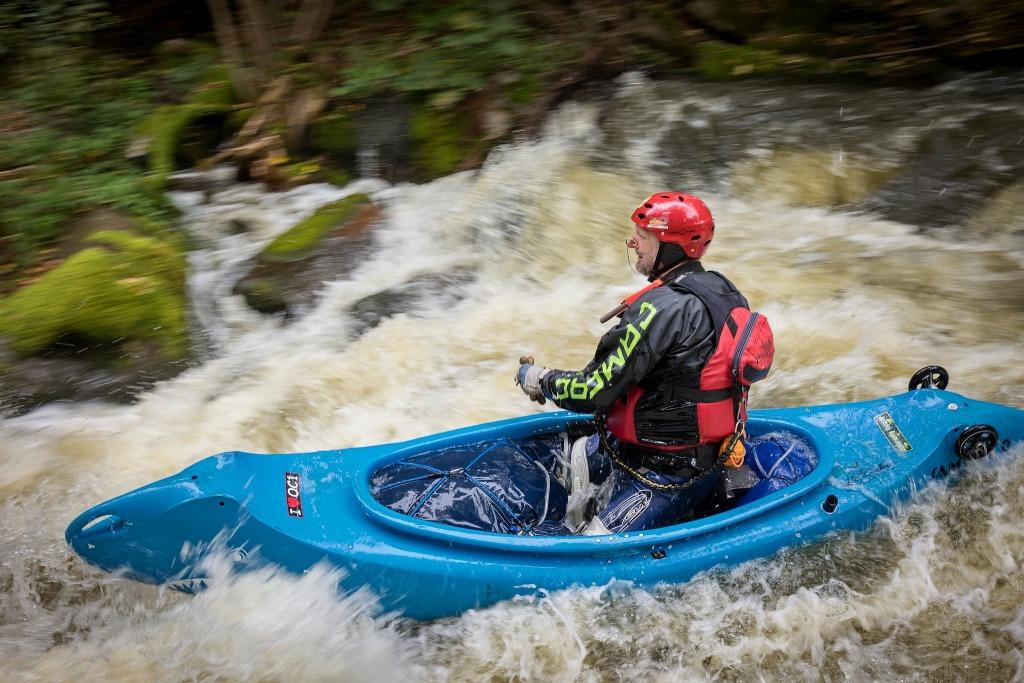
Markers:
<point>743,354</point>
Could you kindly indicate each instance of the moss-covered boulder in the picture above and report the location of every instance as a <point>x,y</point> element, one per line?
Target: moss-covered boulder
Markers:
<point>288,272</point>
<point>121,286</point>
<point>953,169</point>
<point>102,322</point>
<point>421,291</point>
<point>440,139</point>
<point>166,130</point>
<point>301,239</point>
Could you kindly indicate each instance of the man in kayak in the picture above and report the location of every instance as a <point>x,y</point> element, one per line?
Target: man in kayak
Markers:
<point>668,382</point>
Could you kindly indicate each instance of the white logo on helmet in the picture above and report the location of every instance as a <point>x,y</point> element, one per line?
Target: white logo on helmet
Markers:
<point>657,223</point>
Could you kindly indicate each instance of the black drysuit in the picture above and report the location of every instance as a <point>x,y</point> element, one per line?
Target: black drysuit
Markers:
<point>661,343</point>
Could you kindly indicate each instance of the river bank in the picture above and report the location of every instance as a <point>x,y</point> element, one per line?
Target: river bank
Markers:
<point>99,125</point>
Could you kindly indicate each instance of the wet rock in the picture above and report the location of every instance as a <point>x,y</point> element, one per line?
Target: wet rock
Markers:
<point>6,579</point>
<point>717,17</point>
<point>367,313</point>
<point>382,133</point>
<point>403,140</point>
<point>203,180</point>
<point>953,168</point>
<point>914,156</point>
<point>76,369</point>
<point>287,274</point>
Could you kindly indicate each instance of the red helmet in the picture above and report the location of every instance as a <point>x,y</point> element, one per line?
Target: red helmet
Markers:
<point>679,218</point>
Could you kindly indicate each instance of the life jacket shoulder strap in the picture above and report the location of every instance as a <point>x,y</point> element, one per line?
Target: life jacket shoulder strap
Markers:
<point>718,303</point>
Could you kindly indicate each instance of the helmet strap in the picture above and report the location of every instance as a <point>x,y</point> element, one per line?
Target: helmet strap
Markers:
<point>669,255</point>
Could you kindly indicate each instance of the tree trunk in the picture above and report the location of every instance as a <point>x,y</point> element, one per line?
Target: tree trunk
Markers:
<point>258,36</point>
<point>312,16</point>
<point>231,48</point>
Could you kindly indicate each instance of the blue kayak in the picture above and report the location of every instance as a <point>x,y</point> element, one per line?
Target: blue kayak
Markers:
<point>297,510</point>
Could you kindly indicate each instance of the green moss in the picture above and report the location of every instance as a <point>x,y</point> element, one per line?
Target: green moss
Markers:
<point>216,88</point>
<point>333,134</point>
<point>264,295</point>
<point>440,140</point>
<point>298,241</point>
<point>335,176</point>
<point>165,126</point>
<point>238,116</point>
<point>298,172</point>
<point>723,60</point>
<point>714,59</point>
<point>127,287</point>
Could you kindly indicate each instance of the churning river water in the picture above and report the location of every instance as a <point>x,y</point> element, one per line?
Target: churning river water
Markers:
<point>934,591</point>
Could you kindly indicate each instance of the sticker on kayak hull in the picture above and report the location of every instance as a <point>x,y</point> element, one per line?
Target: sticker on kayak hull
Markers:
<point>292,494</point>
<point>892,432</point>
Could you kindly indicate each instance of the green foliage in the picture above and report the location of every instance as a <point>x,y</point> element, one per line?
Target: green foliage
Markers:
<point>69,154</point>
<point>182,64</point>
<point>126,287</point>
<point>451,50</point>
<point>32,26</point>
<point>299,240</point>
<point>34,209</point>
<point>79,112</point>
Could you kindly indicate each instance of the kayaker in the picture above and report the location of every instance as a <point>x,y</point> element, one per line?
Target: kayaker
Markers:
<point>668,382</point>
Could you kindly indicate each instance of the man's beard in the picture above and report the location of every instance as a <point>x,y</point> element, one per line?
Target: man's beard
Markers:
<point>643,266</point>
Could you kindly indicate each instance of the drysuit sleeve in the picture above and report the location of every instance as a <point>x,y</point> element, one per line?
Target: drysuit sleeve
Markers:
<point>650,327</point>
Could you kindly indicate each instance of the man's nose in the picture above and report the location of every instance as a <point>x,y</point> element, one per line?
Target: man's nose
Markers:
<point>631,243</point>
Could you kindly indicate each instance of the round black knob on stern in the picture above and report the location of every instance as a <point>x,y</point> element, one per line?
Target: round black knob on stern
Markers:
<point>928,377</point>
<point>977,442</point>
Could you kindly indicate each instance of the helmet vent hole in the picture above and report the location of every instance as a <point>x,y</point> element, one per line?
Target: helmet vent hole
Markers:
<point>649,205</point>
<point>665,196</point>
<point>641,216</point>
<point>681,198</point>
<point>695,238</point>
